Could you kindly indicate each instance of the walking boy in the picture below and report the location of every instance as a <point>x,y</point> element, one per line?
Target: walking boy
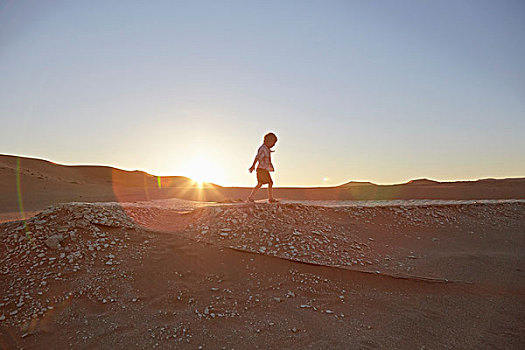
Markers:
<point>264,158</point>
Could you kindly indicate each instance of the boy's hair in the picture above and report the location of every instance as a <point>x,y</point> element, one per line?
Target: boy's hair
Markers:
<point>270,136</point>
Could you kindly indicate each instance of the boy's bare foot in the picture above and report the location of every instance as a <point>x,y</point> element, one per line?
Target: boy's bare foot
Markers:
<point>250,200</point>
<point>273,200</point>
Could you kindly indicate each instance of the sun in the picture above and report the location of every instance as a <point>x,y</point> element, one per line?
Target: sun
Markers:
<point>201,170</point>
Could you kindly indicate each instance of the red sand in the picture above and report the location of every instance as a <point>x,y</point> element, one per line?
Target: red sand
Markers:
<point>426,276</point>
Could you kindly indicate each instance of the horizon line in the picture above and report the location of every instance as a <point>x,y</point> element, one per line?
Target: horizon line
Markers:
<point>239,186</point>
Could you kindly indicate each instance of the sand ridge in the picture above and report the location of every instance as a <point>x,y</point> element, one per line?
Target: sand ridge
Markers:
<point>242,276</point>
<point>43,183</point>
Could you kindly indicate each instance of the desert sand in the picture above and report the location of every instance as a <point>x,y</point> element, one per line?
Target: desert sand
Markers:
<point>109,259</point>
<point>43,183</point>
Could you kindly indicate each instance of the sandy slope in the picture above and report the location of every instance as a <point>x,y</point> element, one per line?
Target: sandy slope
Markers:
<point>38,184</point>
<point>395,274</point>
<point>265,276</point>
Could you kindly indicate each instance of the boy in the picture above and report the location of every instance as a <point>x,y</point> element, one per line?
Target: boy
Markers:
<point>264,167</point>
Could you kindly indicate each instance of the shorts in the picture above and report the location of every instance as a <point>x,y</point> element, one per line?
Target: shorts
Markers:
<point>263,176</point>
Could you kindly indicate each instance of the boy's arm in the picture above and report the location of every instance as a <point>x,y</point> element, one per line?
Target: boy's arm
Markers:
<point>252,168</point>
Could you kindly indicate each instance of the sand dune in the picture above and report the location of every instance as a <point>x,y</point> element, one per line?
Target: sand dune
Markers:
<point>43,183</point>
<point>270,276</point>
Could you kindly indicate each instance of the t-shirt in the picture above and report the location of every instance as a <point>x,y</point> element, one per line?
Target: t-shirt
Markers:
<point>264,157</point>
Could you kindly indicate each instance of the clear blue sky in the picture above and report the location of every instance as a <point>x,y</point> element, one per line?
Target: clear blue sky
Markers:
<point>381,91</point>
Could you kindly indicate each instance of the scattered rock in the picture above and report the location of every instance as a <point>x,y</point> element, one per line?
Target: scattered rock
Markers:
<point>53,242</point>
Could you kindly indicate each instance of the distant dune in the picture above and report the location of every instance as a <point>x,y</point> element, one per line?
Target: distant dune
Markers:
<point>44,183</point>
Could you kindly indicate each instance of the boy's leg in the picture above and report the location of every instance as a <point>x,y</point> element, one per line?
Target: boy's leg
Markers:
<point>254,191</point>
<point>270,190</point>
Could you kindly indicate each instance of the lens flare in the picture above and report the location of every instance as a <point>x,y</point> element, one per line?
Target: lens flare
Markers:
<point>29,236</point>
<point>19,191</point>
